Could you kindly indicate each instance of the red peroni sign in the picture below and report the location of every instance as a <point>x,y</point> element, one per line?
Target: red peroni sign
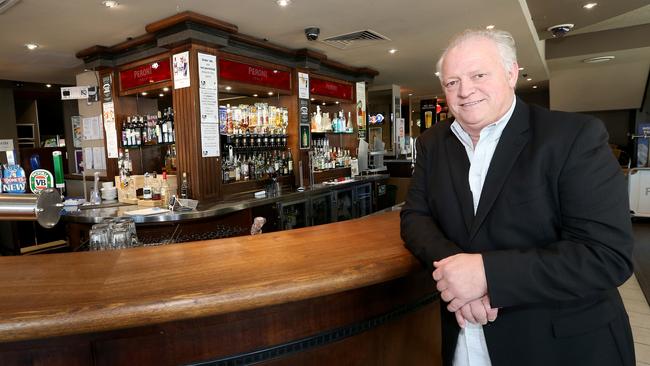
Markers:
<point>252,74</point>
<point>153,72</point>
<point>330,88</point>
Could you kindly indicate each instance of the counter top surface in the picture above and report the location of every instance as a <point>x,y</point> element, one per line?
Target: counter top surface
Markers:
<point>208,208</point>
<point>71,293</point>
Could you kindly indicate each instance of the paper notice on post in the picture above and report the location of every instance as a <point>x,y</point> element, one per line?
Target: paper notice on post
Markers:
<point>88,157</point>
<point>208,106</point>
<point>181,70</point>
<point>99,158</point>
<point>91,128</point>
<point>111,140</point>
<point>209,140</point>
<point>207,71</point>
<point>303,85</point>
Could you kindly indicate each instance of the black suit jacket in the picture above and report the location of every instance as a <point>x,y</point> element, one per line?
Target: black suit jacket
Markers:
<point>554,230</point>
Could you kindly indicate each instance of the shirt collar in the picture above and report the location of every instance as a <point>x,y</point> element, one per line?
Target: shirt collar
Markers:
<point>492,131</point>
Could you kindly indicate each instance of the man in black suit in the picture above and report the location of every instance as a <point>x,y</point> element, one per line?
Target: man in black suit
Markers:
<point>521,214</point>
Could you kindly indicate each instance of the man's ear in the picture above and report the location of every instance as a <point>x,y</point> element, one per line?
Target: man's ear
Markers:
<point>513,74</point>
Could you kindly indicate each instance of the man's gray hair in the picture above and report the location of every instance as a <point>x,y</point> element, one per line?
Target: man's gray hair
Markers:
<point>504,41</point>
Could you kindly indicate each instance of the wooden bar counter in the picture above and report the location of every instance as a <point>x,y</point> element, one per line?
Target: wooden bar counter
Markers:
<point>346,293</point>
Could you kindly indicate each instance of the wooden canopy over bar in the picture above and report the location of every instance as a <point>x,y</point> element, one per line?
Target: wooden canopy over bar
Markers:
<point>188,17</point>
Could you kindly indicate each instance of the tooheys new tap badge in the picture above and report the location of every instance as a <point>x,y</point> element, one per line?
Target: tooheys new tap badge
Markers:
<point>13,179</point>
<point>39,180</point>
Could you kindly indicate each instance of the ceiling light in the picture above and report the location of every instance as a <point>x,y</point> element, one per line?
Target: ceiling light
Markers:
<point>521,69</point>
<point>255,95</point>
<point>595,60</point>
<point>392,51</point>
<point>275,71</point>
<point>410,94</point>
<point>270,93</point>
<point>161,95</point>
<point>323,103</point>
<point>589,5</point>
<point>228,88</point>
<point>337,102</point>
<point>283,3</point>
<point>48,85</point>
<point>31,46</point>
<point>110,3</point>
<point>491,26</point>
<point>165,89</point>
<point>144,93</point>
<point>529,79</point>
<point>437,73</point>
<point>534,86</point>
<point>312,99</point>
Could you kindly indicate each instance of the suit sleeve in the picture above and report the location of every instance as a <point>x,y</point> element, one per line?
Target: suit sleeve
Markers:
<point>594,250</point>
<point>419,226</point>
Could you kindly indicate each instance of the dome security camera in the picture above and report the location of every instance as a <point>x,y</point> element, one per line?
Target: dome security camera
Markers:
<point>560,30</point>
<point>312,33</point>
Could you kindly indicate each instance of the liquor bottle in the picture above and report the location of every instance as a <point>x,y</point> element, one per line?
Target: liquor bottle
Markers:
<point>147,192</point>
<point>290,162</point>
<point>155,187</point>
<point>159,134</point>
<point>185,187</point>
<point>171,137</point>
<point>125,140</point>
<point>163,127</point>
<point>164,188</point>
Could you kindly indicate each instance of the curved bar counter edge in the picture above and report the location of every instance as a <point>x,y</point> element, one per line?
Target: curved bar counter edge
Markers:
<point>342,293</point>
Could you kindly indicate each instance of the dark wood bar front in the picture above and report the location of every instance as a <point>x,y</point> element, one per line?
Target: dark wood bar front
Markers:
<point>346,293</point>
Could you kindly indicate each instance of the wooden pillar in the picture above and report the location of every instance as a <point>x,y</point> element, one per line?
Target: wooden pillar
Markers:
<point>203,173</point>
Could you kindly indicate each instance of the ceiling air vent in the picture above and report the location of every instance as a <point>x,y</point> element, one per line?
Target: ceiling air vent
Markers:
<point>355,39</point>
<point>6,4</point>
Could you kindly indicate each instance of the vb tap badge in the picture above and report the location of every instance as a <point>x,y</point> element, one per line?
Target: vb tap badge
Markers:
<point>40,179</point>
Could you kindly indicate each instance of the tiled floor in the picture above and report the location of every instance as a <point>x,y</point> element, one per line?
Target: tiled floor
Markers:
<point>639,311</point>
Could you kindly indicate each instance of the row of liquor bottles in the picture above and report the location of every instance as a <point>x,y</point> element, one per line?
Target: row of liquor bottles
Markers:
<point>255,141</point>
<point>149,129</point>
<point>153,187</point>
<point>259,119</point>
<point>125,164</point>
<point>256,166</point>
<point>325,157</point>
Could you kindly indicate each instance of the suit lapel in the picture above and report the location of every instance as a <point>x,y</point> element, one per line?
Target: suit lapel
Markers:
<point>512,141</point>
<point>459,169</point>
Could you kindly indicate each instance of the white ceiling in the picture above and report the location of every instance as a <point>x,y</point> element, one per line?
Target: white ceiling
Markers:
<point>417,29</point>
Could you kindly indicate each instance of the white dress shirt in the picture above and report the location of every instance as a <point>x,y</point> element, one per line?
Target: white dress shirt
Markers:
<point>471,348</point>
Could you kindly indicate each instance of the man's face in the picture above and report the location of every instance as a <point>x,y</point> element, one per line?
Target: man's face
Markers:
<point>478,89</point>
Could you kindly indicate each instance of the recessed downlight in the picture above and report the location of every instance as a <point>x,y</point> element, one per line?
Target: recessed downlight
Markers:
<point>491,26</point>
<point>165,89</point>
<point>31,46</point>
<point>521,69</point>
<point>161,95</point>
<point>270,93</point>
<point>599,59</point>
<point>392,51</point>
<point>48,85</point>
<point>589,5</point>
<point>534,86</point>
<point>254,95</point>
<point>144,93</point>
<point>110,3</point>
<point>529,79</point>
<point>283,3</point>
<point>229,88</point>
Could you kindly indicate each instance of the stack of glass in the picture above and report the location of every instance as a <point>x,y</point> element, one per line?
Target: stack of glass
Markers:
<point>113,233</point>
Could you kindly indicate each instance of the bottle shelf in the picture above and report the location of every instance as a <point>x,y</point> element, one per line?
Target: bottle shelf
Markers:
<point>331,133</point>
<point>148,145</point>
